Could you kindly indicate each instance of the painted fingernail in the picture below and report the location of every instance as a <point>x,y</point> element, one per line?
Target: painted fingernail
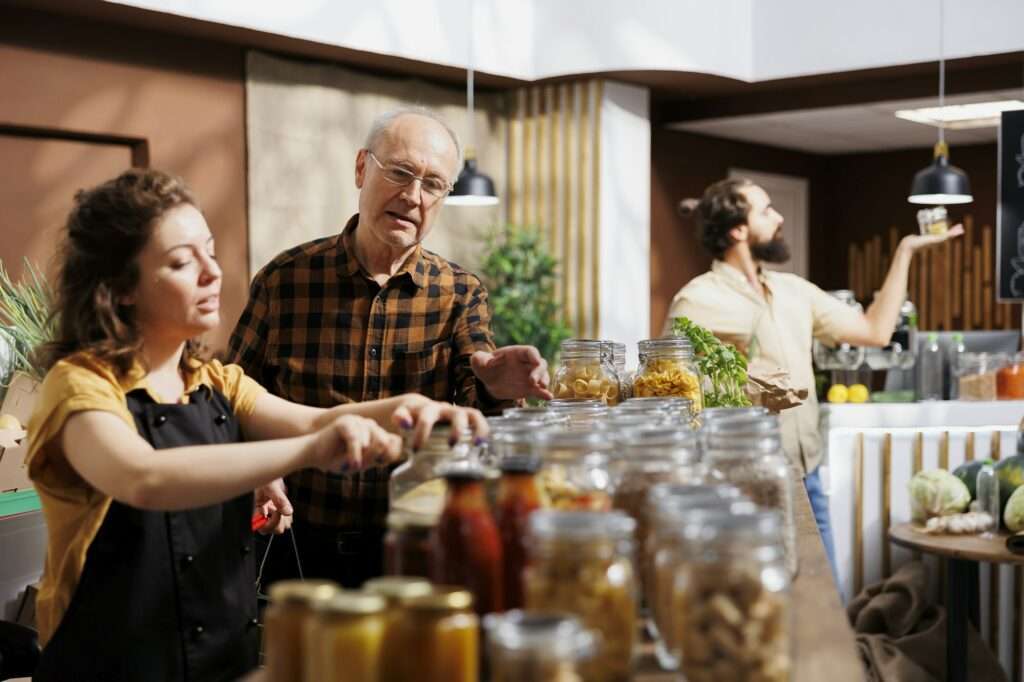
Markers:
<point>345,466</point>
<point>406,424</point>
<point>479,440</point>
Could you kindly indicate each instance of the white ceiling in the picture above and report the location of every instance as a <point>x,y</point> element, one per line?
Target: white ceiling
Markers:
<point>848,129</point>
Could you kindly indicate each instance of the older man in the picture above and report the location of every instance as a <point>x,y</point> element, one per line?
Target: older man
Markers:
<point>370,313</point>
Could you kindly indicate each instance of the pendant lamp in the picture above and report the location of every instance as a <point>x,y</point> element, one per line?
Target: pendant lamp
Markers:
<point>472,188</point>
<point>941,183</point>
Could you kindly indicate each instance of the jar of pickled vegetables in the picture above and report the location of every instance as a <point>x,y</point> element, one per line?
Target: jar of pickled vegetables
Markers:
<point>586,371</point>
<point>284,625</point>
<point>667,368</point>
<point>581,563</point>
<point>344,638</point>
<point>528,646</point>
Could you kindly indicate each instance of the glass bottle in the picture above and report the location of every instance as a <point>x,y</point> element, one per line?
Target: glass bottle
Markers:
<point>586,371</point>
<point>930,370</point>
<point>954,361</point>
<point>667,369</point>
<point>284,625</point>
<point>580,563</point>
<point>344,638</point>
<point>529,646</point>
<point>518,498</point>
<point>730,605</point>
<point>574,469</point>
<point>436,640</point>
<point>407,545</point>
<point>466,546</point>
<point>987,487</point>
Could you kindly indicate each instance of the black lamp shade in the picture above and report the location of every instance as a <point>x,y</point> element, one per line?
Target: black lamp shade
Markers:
<point>473,188</point>
<point>939,184</point>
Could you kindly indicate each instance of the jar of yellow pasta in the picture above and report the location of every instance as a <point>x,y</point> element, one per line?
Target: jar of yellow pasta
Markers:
<point>668,369</point>
<point>586,371</point>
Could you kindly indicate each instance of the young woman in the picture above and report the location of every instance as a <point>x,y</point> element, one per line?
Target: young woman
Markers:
<point>145,457</point>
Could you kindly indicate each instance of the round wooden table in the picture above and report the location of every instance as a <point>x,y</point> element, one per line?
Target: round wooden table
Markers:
<point>961,554</point>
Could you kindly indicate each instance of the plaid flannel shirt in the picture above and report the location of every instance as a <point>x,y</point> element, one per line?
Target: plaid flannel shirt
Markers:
<point>318,330</point>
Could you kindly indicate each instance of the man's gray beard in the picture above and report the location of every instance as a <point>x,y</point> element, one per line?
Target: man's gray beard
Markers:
<point>771,251</point>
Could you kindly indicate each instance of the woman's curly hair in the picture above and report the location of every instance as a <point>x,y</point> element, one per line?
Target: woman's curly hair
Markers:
<point>106,231</point>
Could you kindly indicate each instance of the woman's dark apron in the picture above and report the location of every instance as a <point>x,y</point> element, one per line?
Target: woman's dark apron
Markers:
<point>165,595</point>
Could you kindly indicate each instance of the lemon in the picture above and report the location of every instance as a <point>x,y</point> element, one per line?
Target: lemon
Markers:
<point>858,393</point>
<point>838,394</point>
<point>9,422</point>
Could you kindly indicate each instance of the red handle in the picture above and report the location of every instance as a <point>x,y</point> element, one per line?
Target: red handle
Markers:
<point>259,520</point>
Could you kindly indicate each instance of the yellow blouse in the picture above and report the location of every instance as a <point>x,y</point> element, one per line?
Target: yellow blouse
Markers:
<point>73,509</point>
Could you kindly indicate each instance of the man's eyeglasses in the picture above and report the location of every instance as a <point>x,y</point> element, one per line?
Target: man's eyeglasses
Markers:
<point>396,175</point>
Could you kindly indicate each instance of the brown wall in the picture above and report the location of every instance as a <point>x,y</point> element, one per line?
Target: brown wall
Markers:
<point>866,194</point>
<point>682,165</point>
<point>184,97</point>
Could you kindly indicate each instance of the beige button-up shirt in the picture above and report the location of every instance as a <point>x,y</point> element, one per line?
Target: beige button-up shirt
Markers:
<point>778,328</point>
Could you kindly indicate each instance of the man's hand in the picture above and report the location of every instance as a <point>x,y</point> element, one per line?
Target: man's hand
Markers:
<point>272,501</point>
<point>917,242</point>
<point>512,372</point>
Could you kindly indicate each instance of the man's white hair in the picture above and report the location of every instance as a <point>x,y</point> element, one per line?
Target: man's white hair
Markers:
<point>382,123</point>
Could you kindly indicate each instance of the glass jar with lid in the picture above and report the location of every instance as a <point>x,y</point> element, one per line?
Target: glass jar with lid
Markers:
<point>711,413</point>
<point>436,640</point>
<point>747,453</point>
<point>979,375</point>
<point>580,562</point>
<point>617,352</point>
<point>676,411</point>
<point>284,624</point>
<point>573,403</point>
<point>407,544</point>
<point>574,469</point>
<point>586,371</point>
<point>415,484</point>
<point>1010,379</point>
<point>583,417</point>
<point>842,355</point>
<point>668,369</point>
<point>544,415</point>
<point>466,547</point>
<point>528,646</point>
<point>344,638</point>
<point>397,591</point>
<point>645,458</point>
<point>730,606</point>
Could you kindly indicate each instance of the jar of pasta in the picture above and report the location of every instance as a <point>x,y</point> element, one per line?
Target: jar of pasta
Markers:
<point>528,646</point>
<point>574,469</point>
<point>730,602</point>
<point>616,351</point>
<point>667,369</point>
<point>284,625</point>
<point>586,371</point>
<point>344,638</point>
<point>645,458</point>
<point>580,562</point>
<point>436,639</point>
<point>748,454</point>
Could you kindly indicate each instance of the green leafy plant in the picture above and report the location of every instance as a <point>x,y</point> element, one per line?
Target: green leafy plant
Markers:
<point>722,364</point>
<point>520,277</point>
<point>25,321</point>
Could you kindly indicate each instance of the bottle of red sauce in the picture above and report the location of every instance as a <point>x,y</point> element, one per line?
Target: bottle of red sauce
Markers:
<point>467,545</point>
<point>518,497</point>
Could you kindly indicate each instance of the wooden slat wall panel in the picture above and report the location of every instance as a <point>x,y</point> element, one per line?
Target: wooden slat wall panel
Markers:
<point>554,185</point>
<point>953,286</point>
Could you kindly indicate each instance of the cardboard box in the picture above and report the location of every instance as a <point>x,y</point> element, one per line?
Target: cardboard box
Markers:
<point>20,400</point>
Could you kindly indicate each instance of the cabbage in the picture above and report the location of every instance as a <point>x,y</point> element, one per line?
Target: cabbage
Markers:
<point>1013,515</point>
<point>937,493</point>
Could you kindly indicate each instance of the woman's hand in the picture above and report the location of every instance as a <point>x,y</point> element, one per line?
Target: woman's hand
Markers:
<point>348,443</point>
<point>419,414</point>
<point>272,502</point>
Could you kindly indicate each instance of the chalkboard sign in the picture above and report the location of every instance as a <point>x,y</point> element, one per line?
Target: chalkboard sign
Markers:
<point>1010,212</point>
